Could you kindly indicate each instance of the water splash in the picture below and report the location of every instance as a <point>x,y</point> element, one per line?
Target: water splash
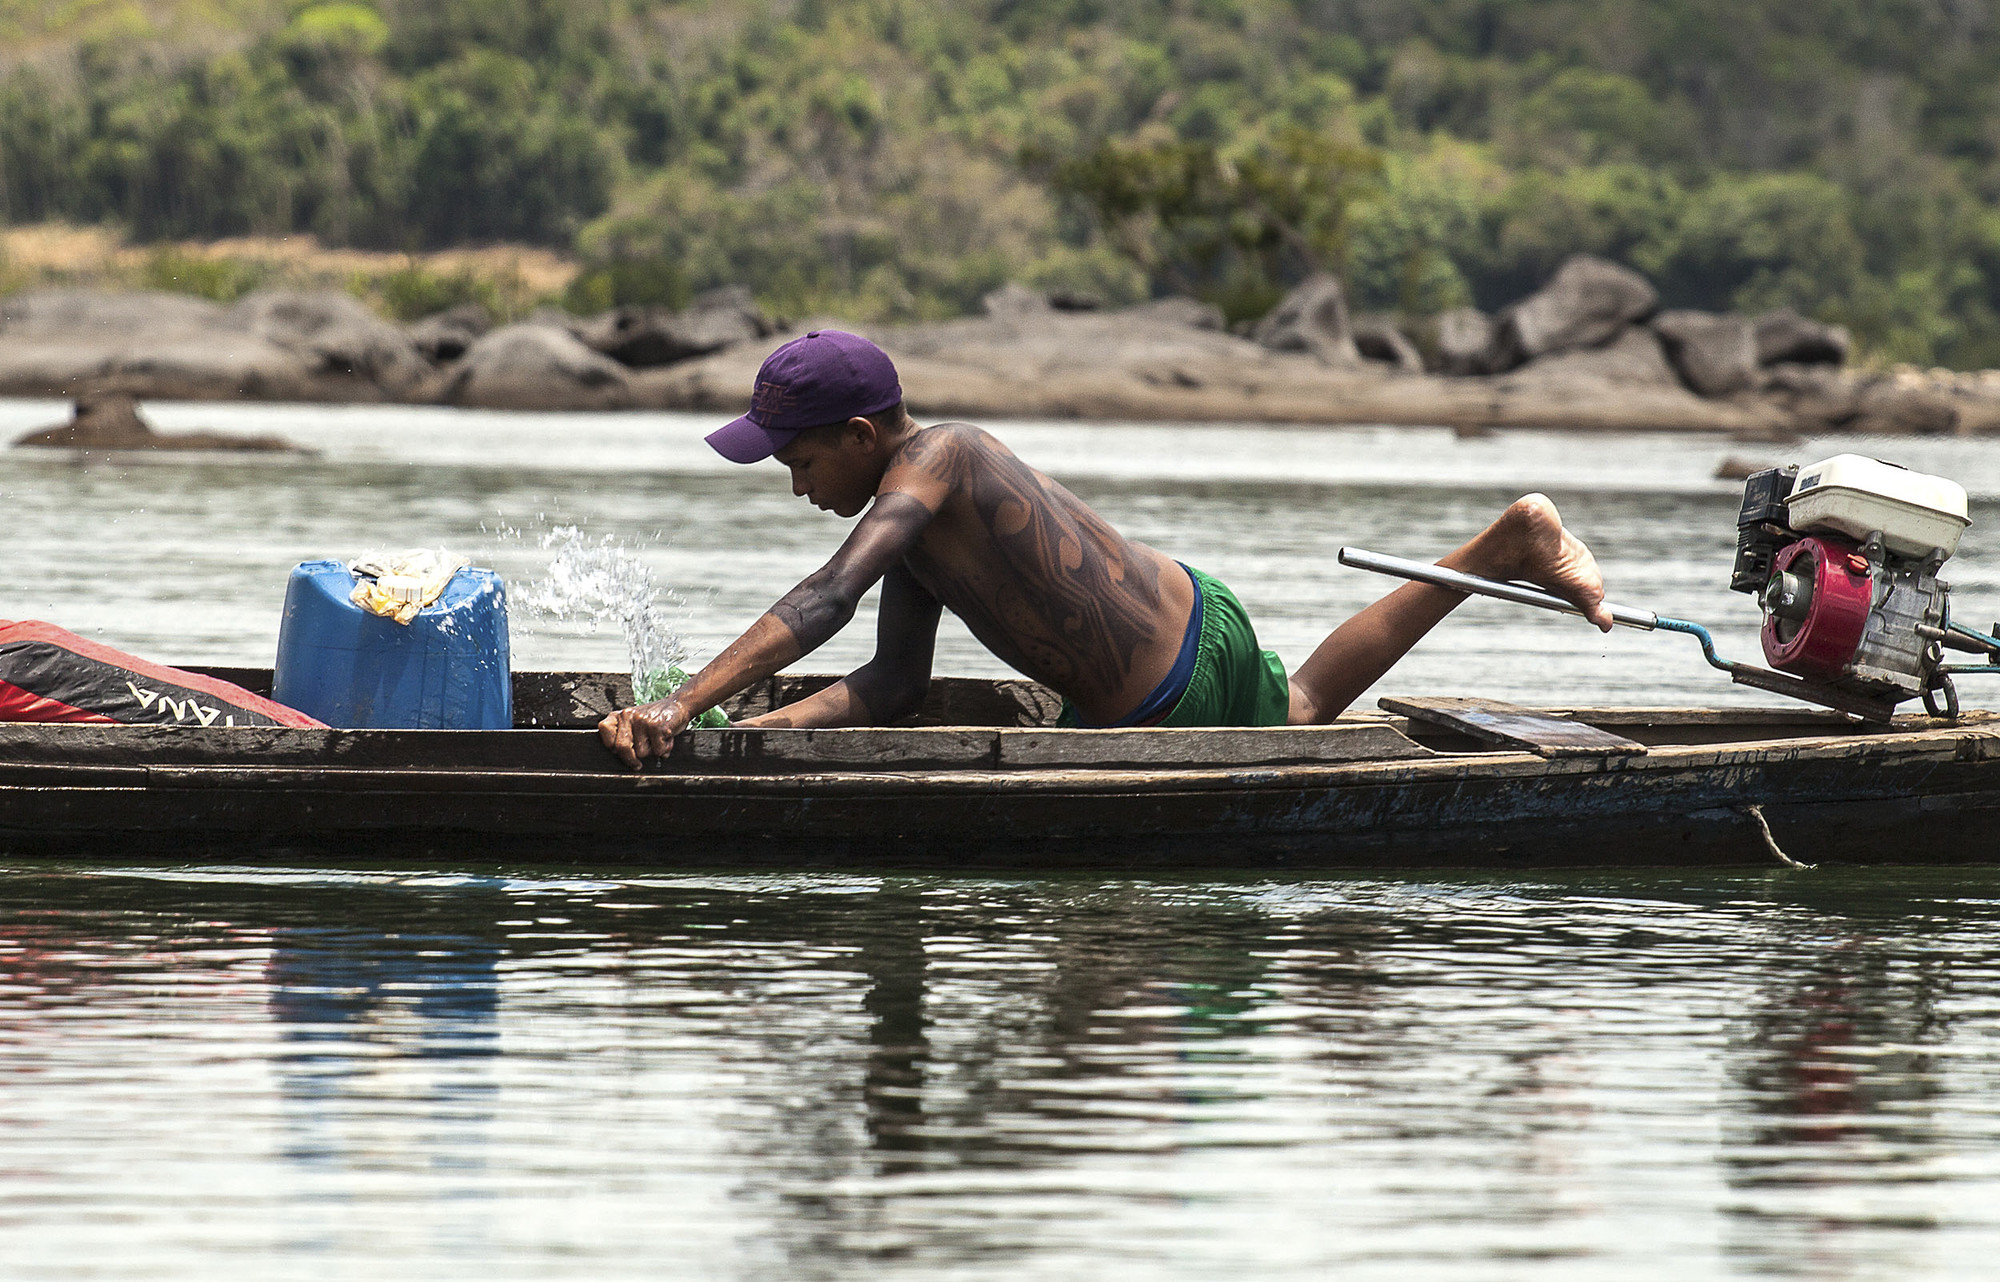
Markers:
<point>604,581</point>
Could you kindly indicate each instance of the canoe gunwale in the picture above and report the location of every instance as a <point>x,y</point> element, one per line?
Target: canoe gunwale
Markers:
<point>1944,744</point>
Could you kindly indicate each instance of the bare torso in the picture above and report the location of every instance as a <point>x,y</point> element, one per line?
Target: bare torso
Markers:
<point>1044,582</point>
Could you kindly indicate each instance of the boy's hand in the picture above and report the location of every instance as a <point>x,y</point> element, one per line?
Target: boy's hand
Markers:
<point>633,734</point>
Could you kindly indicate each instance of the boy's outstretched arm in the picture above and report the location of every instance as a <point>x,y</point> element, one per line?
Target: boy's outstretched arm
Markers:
<point>1528,542</point>
<point>801,621</point>
<point>890,686</point>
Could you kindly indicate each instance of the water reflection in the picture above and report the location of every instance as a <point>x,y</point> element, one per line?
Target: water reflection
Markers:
<point>362,1011</point>
<point>1845,1106</point>
<point>471,1073</point>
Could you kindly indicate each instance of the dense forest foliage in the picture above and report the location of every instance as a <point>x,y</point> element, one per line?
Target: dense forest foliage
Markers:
<point>899,158</point>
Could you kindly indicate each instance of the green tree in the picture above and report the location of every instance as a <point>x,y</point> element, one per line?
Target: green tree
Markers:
<point>1234,230</point>
<point>493,159</point>
<point>1755,242</point>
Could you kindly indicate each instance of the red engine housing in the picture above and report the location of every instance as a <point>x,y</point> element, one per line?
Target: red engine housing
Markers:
<point>1821,645</point>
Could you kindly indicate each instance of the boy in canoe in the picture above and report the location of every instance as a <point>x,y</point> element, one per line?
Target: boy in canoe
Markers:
<point>1127,635</point>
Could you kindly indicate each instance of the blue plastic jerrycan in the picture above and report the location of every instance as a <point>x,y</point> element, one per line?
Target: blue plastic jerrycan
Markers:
<point>447,669</point>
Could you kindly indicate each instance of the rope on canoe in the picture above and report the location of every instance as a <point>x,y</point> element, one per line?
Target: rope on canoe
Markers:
<point>1770,842</point>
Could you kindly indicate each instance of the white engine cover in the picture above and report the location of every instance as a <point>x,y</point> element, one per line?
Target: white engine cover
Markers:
<point>1853,495</point>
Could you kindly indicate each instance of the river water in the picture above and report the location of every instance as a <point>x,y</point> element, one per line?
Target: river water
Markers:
<point>545,1071</point>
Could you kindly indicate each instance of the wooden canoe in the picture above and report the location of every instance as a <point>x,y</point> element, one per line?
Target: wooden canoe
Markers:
<point>984,780</point>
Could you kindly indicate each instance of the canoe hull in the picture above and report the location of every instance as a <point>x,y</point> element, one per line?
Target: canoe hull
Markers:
<point>1924,797</point>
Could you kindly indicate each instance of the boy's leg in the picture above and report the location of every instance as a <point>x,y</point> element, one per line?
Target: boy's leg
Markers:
<point>1527,542</point>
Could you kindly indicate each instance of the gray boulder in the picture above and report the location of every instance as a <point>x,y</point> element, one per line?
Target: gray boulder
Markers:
<point>1587,303</point>
<point>334,332</point>
<point>1465,337</point>
<point>87,313</point>
<point>1312,318</point>
<point>738,302</point>
<point>1379,338</point>
<point>626,334</point>
<point>535,367</point>
<point>1715,354</point>
<point>444,336</point>
<point>1816,396</point>
<point>1015,301</point>
<point>67,342</point>
<point>1635,358</point>
<point>221,364</point>
<point>1886,409</point>
<point>575,326</point>
<point>1819,396</point>
<point>1786,337</point>
<point>1075,300</point>
<point>1188,313</point>
<point>646,337</point>
<point>721,318</point>
<point>1016,304</point>
<point>51,368</point>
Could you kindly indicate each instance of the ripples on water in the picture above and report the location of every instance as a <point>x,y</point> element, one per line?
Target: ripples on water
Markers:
<point>235,1073</point>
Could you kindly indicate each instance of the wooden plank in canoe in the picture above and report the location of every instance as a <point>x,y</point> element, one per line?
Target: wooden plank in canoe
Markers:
<point>734,751</point>
<point>1210,747</point>
<point>1515,727</point>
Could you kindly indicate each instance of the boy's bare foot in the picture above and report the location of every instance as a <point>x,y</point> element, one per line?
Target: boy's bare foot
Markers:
<point>1530,543</point>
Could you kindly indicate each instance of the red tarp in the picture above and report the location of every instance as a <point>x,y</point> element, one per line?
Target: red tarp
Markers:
<point>47,674</point>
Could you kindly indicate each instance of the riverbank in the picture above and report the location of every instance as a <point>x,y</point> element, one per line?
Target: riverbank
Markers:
<point>1169,361</point>
<point>1140,366</point>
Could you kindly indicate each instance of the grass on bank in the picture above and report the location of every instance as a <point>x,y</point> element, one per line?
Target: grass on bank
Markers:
<point>509,281</point>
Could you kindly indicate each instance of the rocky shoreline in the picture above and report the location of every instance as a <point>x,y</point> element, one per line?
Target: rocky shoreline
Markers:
<point>1589,351</point>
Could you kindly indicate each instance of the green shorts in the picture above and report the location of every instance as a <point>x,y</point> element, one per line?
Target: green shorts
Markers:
<point>1234,683</point>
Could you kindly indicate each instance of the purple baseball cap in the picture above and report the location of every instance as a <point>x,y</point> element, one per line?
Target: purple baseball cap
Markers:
<point>826,377</point>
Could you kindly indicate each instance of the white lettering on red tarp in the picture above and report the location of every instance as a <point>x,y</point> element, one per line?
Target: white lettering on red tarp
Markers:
<point>181,708</point>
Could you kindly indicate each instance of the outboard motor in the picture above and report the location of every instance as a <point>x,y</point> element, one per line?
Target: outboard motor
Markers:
<point>1843,556</point>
